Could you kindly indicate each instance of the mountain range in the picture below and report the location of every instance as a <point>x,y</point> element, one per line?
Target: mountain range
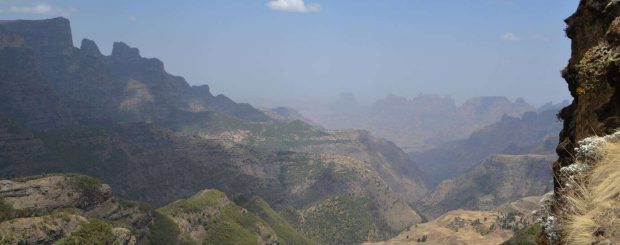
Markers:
<point>154,138</point>
<point>190,167</point>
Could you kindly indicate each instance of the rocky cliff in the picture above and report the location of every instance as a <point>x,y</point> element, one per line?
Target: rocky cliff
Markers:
<point>592,77</point>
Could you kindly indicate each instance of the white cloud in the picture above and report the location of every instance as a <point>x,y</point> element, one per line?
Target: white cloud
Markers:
<point>293,6</point>
<point>132,18</point>
<point>41,8</point>
<point>510,37</point>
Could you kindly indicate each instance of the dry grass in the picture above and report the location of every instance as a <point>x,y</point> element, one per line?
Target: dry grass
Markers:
<point>592,211</point>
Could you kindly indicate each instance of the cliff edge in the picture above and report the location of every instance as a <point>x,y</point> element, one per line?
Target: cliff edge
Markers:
<point>592,75</point>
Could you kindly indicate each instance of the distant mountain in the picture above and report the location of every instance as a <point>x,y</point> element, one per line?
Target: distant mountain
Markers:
<point>550,106</point>
<point>533,133</point>
<point>154,138</point>
<point>123,86</point>
<point>497,180</point>
<point>420,123</point>
<point>287,114</point>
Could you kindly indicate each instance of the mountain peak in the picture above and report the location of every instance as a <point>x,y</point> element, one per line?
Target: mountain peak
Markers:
<point>89,47</point>
<point>123,51</point>
<point>56,32</point>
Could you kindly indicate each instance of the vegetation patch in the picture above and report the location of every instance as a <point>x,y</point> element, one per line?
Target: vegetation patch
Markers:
<point>224,222</point>
<point>6,210</point>
<point>286,233</point>
<point>85,184</point>
<point>525,236</point>
<point>591,190</point>
<point>94,232</point>
<point>232,227</point>
<point>142,206</point>
<point>592,68</point>
<point>197,203</point>
<point>349,218</point>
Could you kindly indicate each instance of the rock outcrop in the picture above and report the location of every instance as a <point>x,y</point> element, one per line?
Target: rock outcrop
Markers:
<point>63,208</point>
<point>592,76</point>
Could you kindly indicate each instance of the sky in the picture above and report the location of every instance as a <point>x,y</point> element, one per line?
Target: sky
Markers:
<point>287,50</point>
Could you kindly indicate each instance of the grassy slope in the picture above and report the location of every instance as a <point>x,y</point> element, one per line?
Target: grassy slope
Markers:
<point>232,224</point>
<point>286,233</point>
<point>349,219</point>
<point>591,213</point>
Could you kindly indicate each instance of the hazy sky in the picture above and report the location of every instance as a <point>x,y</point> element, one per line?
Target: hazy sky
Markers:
<point>291,49</point>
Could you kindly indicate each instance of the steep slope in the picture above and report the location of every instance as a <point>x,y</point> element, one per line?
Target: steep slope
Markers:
<point>592,77</point>
<point>209,217</point>
<point>390,162</point>
<point>341,200</point>
<point>499,179</point>
<point>533,133</point>
<point>23,90</point>
<point>140,161</point>
<point>286,233</point>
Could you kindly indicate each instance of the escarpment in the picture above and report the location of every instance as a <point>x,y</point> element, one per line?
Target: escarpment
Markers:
<point>593,76</point>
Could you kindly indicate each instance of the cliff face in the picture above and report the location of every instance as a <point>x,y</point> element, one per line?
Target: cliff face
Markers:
<point>123,86</point>
<point>48,38</point>
<point>592,76</point>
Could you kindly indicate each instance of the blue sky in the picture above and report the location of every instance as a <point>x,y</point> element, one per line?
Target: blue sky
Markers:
<point>315,49</point>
